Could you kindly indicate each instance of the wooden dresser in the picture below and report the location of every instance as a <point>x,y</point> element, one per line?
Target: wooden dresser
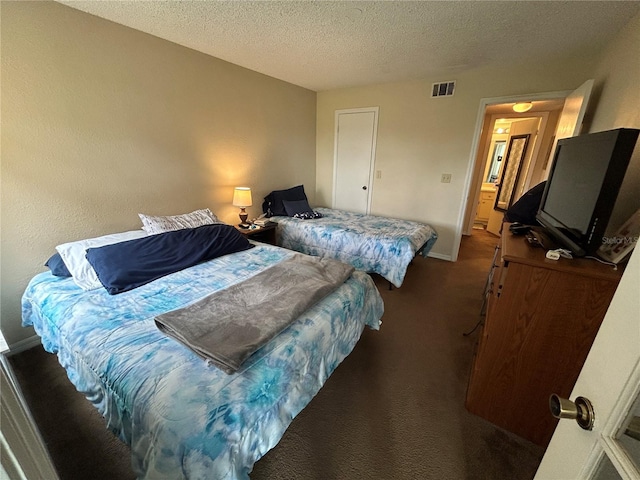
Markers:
<point>541,319</point>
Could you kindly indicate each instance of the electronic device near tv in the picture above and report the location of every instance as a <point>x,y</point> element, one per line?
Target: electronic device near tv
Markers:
<point>585,179</point>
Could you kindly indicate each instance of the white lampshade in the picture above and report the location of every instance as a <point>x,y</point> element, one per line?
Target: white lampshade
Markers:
<point>522,107</point>
<point>242,197</point>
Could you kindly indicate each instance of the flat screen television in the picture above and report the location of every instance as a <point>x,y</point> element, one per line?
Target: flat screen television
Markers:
<point>583,184</point>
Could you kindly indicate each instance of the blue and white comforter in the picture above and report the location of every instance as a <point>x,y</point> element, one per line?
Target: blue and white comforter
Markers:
<point>370,243</point>
<point>182,418</point>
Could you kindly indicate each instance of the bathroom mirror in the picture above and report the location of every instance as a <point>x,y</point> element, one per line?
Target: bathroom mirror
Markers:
<point>496,161</point>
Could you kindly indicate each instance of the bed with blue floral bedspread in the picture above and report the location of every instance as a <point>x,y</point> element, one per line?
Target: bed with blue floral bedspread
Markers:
<point>370,243</point>
<point>182,417</point>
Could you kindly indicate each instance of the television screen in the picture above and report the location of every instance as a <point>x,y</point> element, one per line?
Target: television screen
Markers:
<point>582,187</point>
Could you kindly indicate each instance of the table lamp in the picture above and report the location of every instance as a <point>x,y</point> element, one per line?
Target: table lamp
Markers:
<point>242,199</point>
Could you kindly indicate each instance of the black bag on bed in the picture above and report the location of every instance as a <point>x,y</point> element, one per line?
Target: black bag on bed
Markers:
<point>273,203</point>
<point>525,209</point>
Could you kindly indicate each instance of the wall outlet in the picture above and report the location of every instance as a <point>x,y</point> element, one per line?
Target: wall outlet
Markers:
<point>446,178</point>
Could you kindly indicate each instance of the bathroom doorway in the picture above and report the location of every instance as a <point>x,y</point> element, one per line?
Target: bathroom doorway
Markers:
<point>511,158</point>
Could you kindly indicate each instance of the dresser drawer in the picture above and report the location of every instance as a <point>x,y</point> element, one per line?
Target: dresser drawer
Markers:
<point>487,196</point>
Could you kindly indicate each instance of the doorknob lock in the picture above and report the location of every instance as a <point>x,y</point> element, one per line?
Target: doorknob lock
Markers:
<point>364,187</point>
<point>581,410</point>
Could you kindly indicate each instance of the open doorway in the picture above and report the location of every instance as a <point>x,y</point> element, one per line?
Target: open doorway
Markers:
<point>571,113</point>
<point>511,157</point>
<point>514,158</point>
<point>503,165</point>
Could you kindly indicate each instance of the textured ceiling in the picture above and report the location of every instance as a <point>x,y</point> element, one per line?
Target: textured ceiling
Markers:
<point>324,45</point>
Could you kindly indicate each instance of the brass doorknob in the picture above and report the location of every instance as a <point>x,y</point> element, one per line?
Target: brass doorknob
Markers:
<point>581,410</point>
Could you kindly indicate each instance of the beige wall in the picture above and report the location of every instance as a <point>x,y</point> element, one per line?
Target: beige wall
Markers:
<point>100,122</point>
<point>617,105</point>
<point>420,138</point>
<point>617,78</point>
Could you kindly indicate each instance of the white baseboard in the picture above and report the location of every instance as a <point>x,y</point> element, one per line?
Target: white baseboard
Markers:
<point>23,345</point>
<point>439,256</point>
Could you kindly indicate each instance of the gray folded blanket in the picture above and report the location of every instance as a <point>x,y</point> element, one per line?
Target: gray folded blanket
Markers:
<point>228,326</point>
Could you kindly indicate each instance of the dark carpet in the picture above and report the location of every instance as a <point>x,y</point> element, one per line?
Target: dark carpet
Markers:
<point>394,409</point>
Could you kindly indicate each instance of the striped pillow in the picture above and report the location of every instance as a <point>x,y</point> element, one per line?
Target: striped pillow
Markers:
<point>154,225</point>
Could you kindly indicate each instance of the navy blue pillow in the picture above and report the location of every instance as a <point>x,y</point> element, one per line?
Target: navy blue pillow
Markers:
<point>273,203</point>
<point>57,266</point>
<point>126,265</point>
<point>293,207</point>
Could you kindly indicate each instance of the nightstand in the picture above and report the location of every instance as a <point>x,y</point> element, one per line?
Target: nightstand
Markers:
<point>262,234</point>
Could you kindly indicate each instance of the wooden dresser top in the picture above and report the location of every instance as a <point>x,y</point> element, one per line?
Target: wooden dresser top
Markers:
<point>516,248</point>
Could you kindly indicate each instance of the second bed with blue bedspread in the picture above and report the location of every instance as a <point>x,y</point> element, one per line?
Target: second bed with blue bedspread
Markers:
<point>370,243</point>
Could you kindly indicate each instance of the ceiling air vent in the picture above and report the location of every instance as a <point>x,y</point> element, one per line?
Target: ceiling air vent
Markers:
<point>444,89</point>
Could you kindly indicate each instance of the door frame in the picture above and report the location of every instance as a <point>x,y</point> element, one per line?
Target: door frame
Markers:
<point>372,161</point>
<point>473,156</point>
<point>606,444</point>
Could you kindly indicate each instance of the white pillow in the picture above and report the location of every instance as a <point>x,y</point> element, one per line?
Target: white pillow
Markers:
<point>74,256</point>
<point>154,225</point>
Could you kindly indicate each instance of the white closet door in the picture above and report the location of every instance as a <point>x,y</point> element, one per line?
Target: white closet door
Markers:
<point>355,147</point>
